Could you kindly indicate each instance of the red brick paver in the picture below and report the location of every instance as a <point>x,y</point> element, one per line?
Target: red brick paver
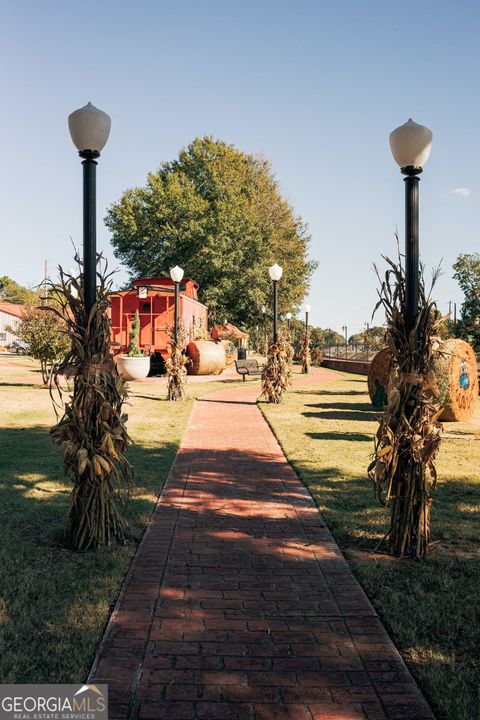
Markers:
<point>239,604</point>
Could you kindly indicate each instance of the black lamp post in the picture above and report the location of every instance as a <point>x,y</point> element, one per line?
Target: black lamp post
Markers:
<point>275,272</point>
<point>307,309</point>
<point>411,144</point>
<point>89,128</point>
<point>264,313</point>
<point>176,274</point>
<point>289,317</point>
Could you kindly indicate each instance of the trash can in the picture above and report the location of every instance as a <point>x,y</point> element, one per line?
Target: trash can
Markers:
<point>241,353</point>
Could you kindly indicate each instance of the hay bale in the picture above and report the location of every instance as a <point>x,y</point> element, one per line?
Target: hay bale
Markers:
<point>456,371</point>
<point>379,378</point>
<point>206,357</point>
<point>230,352</point>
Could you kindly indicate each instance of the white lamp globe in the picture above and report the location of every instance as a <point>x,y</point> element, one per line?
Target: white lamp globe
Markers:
<point>275,272</point>
<point>176,274</point>
<point>89,128</point>
<point>307,307</point>
<point>411,145</point>
<point>288,316</point>
<point>264,309</point>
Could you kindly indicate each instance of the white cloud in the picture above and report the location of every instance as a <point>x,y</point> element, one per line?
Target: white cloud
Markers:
<point>464,192</point>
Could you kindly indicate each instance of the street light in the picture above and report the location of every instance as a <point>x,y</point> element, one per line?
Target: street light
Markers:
<point>344,328</point>
<point>289,317</point>
<point>411,145</point>
<point>176,274</point>
<point>89,128</point>
<point>275,272</point>
<point>307,309</point>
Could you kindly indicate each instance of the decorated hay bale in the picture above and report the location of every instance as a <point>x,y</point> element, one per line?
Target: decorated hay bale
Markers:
<point>456,373</point>
<point>379,377</point>
<point>206,357</point>
<point>230,352</point>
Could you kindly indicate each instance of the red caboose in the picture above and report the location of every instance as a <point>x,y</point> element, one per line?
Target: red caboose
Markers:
<point>154,300</point>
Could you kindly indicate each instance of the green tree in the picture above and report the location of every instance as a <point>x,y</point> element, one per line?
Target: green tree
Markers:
<point>317,338</point>
<point>218,213</point>
<point>45,335</point>
<point>332,337</point>
<point>12,292</point>
<point>467,272</point>
<point>374,337</point>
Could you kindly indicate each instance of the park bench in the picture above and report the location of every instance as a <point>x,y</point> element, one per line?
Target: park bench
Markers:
<point>248,367</point>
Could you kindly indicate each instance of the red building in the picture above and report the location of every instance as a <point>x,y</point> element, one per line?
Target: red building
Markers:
<point>154,300</point>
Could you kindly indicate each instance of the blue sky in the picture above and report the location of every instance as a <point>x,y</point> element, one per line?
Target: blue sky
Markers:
<point>315,86</point>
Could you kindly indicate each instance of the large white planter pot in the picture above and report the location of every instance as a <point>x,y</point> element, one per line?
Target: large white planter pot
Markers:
<point>134,368</point>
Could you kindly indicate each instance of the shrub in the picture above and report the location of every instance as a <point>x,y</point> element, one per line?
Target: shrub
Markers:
<point>46,337</point>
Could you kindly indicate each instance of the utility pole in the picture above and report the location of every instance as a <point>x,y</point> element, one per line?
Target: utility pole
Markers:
<point>45,269</point>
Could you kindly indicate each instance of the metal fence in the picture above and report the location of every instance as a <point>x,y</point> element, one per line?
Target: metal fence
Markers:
<point>352,351</point>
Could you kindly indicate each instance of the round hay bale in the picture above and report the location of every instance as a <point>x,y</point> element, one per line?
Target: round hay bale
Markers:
<point>206,357</point>
<point>379,378</point>
<point>456,371</point>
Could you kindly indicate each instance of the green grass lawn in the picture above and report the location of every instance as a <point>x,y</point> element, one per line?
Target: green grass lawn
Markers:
<point>431,608</point>
<point>54,604</point>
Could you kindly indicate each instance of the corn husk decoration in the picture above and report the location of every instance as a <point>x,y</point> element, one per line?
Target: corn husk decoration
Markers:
<point>316,356</point>
<point>277,372</point>
<point>289,349</point>
<point>92,430</point>
<point>176,365</point>
<point>305,355</point>
<point>406,443</point>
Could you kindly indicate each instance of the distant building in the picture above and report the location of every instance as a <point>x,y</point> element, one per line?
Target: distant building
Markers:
<point>10,316</point>
<point>227,331</point>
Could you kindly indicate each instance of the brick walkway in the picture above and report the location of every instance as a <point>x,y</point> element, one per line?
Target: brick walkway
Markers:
<point>240,605</point>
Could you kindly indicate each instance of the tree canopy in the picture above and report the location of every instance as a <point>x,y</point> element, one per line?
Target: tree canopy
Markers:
<point>218,213</point>
<point>374,337</point>
<point>332,337</point>
<point>467,272</point>
<point>13,292</point>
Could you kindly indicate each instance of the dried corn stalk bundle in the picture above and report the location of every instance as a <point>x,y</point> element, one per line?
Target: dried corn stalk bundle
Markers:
<point>305,355</point>
<point>92,431</point>
<point>277,372</point>
<point>317,357</point>
<point>176,365</point>
<point>289,349</point>
<point>407,440</point>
